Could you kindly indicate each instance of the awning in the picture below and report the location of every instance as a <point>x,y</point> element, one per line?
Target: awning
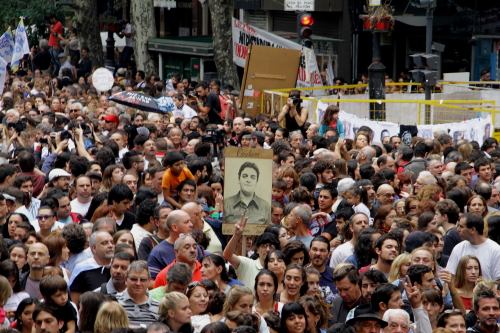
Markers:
<point>189,45</point>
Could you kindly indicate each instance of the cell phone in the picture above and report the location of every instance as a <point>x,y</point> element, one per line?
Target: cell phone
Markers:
<point>248,123</point>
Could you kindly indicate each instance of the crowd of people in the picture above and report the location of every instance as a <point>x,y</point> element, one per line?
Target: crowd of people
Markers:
<point>111,219</point>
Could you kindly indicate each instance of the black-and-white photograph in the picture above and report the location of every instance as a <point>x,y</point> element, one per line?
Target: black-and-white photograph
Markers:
<point>248,188</point>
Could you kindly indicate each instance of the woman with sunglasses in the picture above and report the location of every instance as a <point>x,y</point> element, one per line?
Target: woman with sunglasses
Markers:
<point>295,284</point>
<point>175,312</point>
<point>266,285</point>
<point>453,320</point>
<point>411,204</point>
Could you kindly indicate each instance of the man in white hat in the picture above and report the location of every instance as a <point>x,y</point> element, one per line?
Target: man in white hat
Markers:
<point>63,58</point>
<point>59,178</point>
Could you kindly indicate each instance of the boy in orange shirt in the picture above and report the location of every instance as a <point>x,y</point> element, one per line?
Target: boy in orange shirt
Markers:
<point>175,174</point>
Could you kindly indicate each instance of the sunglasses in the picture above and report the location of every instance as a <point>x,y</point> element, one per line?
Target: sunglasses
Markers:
<point>134,279</point>
<point>44,217</point>
<point>74,110</point>
<point>193,285</point>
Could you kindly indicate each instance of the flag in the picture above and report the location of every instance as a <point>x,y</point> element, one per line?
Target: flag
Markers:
<point>3,74</point>
<point>6,46</point>
<point>21,47</point>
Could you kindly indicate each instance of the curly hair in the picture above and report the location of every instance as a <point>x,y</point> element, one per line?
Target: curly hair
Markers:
<point>76,237</point>
<point>428,191</point>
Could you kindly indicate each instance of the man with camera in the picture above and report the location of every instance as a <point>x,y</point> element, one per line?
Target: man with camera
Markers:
<point>56,29</point>
<point>208,103</point>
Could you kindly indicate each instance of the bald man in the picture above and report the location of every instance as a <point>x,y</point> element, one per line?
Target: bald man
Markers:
<point>211,228</point>
<point>38,258</point>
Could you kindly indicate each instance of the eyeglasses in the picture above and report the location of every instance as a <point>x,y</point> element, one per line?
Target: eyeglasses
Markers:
<point>74,110</point>
<point>413,207</point>
<point>389,195</point>
<point>44,217</point>
<point>456,311</point>
<point>134,279</point>
<point>265,246</point>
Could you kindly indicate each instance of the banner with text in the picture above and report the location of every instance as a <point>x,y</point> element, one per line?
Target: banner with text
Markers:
<point>245,34</point>
<point>7,46</point>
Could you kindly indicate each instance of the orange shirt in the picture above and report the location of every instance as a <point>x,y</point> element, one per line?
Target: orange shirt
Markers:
<point>171,182</point>
<point>161,278</point>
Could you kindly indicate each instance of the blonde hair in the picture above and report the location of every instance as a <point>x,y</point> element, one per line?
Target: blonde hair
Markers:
<point>396,266</point>
<point>233,296</point>
<point>428,191</point>
<point>111,315</point>
<point>461,267</point>
<point>5,290</point>
<point>465,149</point>
<point>483,284</point>
<point>171,301</point>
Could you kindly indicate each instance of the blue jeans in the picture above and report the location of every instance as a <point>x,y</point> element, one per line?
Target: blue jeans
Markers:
<point>125,56</point>
<point>54,53</point>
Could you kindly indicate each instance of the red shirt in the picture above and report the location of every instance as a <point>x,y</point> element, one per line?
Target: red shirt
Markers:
<point>53,40</point>
<point>161,278</point>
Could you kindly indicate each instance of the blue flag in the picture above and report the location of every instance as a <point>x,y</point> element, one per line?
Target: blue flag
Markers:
<point>6,46</point>
<point>21,47</point>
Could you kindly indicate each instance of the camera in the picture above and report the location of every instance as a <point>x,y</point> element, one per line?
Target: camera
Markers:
<point>193,93</point>
<point>66,135</point>
<point>18,126</point>
<point>248,123</point>
<point>44,140</point>
<point>215,136</point>
<point>296,100</point>
<point>85,128</point>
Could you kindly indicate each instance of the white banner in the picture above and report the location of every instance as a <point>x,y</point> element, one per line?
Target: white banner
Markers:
<point>6,46</point>
<point>244,35</point>
<point>3,74</point>
<point>21,48</point>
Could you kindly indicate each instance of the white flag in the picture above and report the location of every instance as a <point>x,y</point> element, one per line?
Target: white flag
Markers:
<point>21,47</point>
<point>6,46</point>
<point>3,74</point>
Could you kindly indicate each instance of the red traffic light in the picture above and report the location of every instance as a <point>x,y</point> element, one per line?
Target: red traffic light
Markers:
<point>306,20</point>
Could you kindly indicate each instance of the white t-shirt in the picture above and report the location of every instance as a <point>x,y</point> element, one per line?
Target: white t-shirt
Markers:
<point>361,208</point>
<point>128,30</point>
<point>122,152</point>
<point>185,112</point>
<point>487,253</point>
<point>80,208</point>
<point>341,253</point>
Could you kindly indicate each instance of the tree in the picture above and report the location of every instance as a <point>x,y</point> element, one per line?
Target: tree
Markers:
<point>88,29</point>
<point>221,12</point>
<point>143,28</point>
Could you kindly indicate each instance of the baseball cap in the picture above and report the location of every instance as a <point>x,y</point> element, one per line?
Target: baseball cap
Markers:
<point>55,173</point>
<point>94,175</point>
<point>257,135</point>
<point>112,118</point>
<point>143,130</point>
<point>62,55</point>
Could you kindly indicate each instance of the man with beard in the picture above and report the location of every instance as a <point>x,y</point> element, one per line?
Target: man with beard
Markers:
<point>47,319</point>
<point>387,249</point>
<point>93,272</point>
<point>370,280</point>
<point>486,308</point>
<point>150,151</point>
<point>38,258</point>
<point>118,269</point>
<point>323,169</point>
<point>318,252</point>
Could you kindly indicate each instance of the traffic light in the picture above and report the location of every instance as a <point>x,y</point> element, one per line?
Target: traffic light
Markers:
<point>423,3</point>
<point>425,68</point>
<point>304,30</point>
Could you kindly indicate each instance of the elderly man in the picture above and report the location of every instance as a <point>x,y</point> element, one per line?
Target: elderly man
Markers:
<point>298,221</point>
<point>141,308</point>
<point>186,251</point>
<point>424,178</point>
<point>434,166</point>
<point>296,139</point>
<point>365,320</point>
<point>211,228</point>
<point>385,196</point>
<point>93,272</point>
<point>312,130</point>
<point>118,269</point>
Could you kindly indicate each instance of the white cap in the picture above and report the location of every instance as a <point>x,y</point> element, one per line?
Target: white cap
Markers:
<point>58,173</point>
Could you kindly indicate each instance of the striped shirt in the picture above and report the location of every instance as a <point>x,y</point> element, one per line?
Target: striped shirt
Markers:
<point>143,313</point>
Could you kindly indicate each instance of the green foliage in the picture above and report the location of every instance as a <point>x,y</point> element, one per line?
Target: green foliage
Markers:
<point>34,12</point>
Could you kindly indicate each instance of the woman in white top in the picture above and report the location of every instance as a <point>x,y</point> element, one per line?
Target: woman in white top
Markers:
<point>58,252</point>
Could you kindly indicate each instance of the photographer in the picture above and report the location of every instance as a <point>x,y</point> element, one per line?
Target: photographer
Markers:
<point>56,29</point>
<point>294,114</point>
<point>208,103</point>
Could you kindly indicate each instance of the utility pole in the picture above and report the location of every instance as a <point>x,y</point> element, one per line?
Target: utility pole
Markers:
<point>376,81</point>
<point>110,42</point>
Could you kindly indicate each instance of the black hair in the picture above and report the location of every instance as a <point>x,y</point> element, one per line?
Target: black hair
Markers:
<point>374,276</point>
<point>309,181</point>
<point>321,239</point>
<point>96,202</point>
<point>7,170</point>
<point>266,272</point>
<point>145,211</point>
<point>118,193</point>
<point>9,269</point>
<point>289,309</point>
<point>473,220</point>
<point>363,249</point>
<point>173,157</point>
<point>129,158</point>
<point>278,254</point>
<point>487,293</point>
<point>332,189</point>
<point>382,294</point>
<point>216,327</point>
<point>218,261</point>
<point>415,273</point>
<point>340,328</point>
<point>78,165</point>
<point>196,165</point>
<point>20,309</point>
<point>366,171</point>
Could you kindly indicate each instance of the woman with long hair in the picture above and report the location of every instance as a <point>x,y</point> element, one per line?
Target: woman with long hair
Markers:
<point>175,312</point>
<point>384,218</point>
<point>197,294</point>
<point>291,177</point>
<point>293,318</point>
<point>275,262</point>
<point>411,204</point>
<point>266,287</point>
<point>19,254</point>
<point>477,204</point>
<point>9,270</point>
<point>97,201</point>
<point>467,273</point>
<point>404,188</point>
<point>241,298</point>
<point>399,267</point>
<point>24,315</point>
<point>124,236</point>
<point>429,191</point>
<point>213,267</point>
<point>58,252</point>
<point>90,303</point>
<point>361,140</point>
<point>317,313</point>
<point>427,220</point>
<point>295,284</point>
<point>112,175</point>
<point>111,315</point>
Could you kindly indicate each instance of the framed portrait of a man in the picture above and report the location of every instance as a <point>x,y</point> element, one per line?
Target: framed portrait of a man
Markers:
<point>247,188</point>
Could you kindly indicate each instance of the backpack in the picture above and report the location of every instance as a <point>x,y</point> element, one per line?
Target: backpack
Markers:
<point>223,106</point>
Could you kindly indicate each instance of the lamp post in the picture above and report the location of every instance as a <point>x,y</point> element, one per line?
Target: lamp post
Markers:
<point>110,42</point>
